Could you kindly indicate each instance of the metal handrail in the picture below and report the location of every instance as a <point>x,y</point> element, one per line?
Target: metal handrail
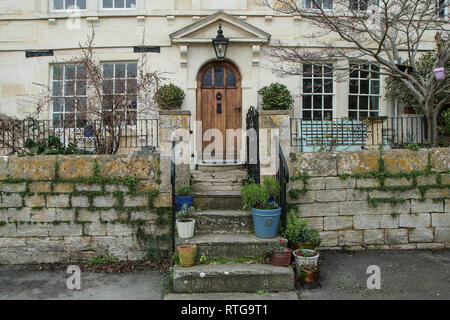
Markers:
<point>283,178</point>
<point>173,180</point>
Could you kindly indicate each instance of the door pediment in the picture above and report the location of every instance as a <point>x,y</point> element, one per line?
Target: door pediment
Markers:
<point>205,29</point>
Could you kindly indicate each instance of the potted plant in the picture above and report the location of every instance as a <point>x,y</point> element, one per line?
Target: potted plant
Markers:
<point>266,215</point>
<point>185,224</point>
<point>306,257</point>
<point>273,186</point>
<point>279,253</point>
<point>298,234</point>
<point>169,97</point>
<point>183,196</point>
<point>276,97</point>
<point>186,254</point>
<point>308,273</point>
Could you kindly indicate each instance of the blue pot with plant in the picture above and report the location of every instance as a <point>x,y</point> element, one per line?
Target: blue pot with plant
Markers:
<point>273,186</point>
<point>266,215</point>
<point>183,197</point>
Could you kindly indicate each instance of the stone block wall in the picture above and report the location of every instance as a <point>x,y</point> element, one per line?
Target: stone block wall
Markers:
<point>70,208</point>
<point>396,199</point>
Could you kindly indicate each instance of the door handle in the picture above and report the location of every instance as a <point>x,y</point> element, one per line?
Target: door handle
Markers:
<point>238,109</point>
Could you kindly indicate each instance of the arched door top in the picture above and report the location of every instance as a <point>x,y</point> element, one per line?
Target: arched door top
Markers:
<point>219,75</point>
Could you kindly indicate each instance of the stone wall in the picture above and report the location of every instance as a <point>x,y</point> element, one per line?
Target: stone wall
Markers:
<point>396,199</point>
<point>70,208</point>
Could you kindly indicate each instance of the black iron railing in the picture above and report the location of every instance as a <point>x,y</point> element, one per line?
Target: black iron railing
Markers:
<point>283,179</point>
<point>253,161</point>
<point>94,136</point>
<point>346,134</point>
<point>173,182</point>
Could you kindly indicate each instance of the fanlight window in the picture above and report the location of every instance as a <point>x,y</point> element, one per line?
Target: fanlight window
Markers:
<point>219,76</point>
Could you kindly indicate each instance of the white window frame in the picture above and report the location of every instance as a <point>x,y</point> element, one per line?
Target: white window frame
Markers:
<point>304,7</point>
<point>117,9</point>
<point>322,94</point>
<point>368,3</point>
<point>126,79</point>
<point>52,7</point>
<point>63,93</point>
<point>378,95</point>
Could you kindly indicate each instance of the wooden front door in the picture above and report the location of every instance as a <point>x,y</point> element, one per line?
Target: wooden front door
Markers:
<point>219,108</point>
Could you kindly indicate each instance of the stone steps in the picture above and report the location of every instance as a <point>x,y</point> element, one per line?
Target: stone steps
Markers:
<point>226,278</point>
<point>229,246</point>
<point>205,167</point>
<point>216,200</point>
<point>282,296</point>
<point>223,221</point>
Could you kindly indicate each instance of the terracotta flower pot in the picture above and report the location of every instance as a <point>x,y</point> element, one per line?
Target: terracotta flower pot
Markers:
<point>187,255</point>
<point>310,275</point>
<point>281,258</point>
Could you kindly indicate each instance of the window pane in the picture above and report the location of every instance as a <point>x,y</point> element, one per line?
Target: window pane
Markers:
<point>353,115</point>
<point>353,86</point>
<point>307,102</point>
<point>58,5</point>
<point>317,115</point>
<point>364,103</point>
<point>81,4</point>
<point>69,88</point>
<point>207,78</point>
<point>131,86</point>
<point>69,72</point>
<point>317,71</point>
<point>108,71</point>
<point>328,71</point>
<point>81,88</point>
<point>119,4</point>
<point>58,105</point>
<point>70,105</point>
<point>307,86</point>
<point>307,115</point>
<point>307,70</point>
<point>70,4</point>
<point>108,87</point>
<point>219,76</point>
<point>328,86</point>
<point>328,102</point>
<point>317,102</point>
<point>107,3</point>
<point>364,72</point>
<point>374,103</point>
<point>120,70</point>
<point>57,88</point>
<point>354,72</point>
<point>328,115</point>
<point>328,4</point>
<point>132,70</point>
<point>364,86</point>
<point>81,72</point>
<point>374,87</point>
<point>231,79</point>
<point>353,102</point>
<point>131,4</point>
<point>119,86</point>
<point>318,86</point>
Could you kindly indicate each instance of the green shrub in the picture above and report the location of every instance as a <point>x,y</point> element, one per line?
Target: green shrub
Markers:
<point>183,190</point>
<point>256,196</point>
<point>297,231</point>
<point>276,97</point>
<point>169,97</point>
<point>185,214</point>
<point>272,185</point>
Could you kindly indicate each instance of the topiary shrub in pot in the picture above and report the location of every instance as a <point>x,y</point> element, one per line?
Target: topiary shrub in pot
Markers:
<point>276,97</point>
<point>183,196</point>
<point>169,97</point>
<point>266,215</point>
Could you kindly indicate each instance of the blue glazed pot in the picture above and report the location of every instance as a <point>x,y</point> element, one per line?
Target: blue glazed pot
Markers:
<point>182,201</point>
<point>266,222</point>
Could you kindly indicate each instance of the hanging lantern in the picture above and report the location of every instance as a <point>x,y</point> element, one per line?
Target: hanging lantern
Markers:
<point>220,44</point>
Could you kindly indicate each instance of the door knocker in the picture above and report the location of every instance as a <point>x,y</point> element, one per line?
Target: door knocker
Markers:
<point>219,96</point>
